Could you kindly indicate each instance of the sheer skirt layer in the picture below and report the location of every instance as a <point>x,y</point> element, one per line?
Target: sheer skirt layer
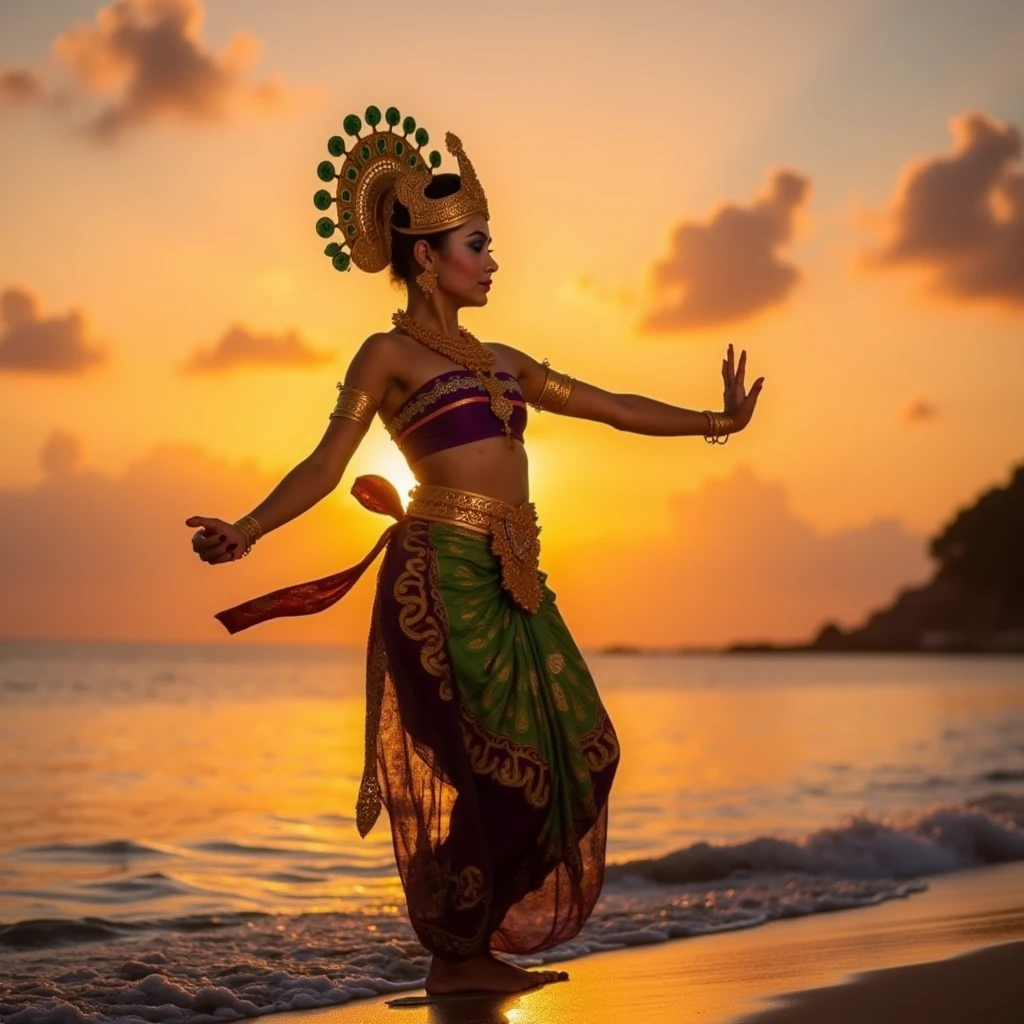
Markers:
<point>492,751</point>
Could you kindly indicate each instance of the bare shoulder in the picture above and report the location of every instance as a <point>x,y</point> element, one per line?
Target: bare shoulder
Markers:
<point>512,359</point>
<point>499,348</point>
<point>378,354</point>
<point>381,345</point>
<point>373,366</point>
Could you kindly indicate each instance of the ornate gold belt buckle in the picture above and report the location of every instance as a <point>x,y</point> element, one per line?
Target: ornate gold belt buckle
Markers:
<point>516,543</point>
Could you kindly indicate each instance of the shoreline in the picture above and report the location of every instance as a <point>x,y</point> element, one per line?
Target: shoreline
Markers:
<point>982,984</point>
<point>791,971</point>
<point>612,651</point>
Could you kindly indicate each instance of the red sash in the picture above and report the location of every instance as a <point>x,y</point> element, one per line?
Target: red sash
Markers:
<point>372,492</point>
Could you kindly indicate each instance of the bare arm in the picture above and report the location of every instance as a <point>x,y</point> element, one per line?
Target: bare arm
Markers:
<point>316,475</point>
<point>638,414</point>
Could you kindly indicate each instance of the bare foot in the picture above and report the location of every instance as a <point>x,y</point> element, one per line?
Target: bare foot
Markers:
<point>483,973</point>
<point>545,977</point>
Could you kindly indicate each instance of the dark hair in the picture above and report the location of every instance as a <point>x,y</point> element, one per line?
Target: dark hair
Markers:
<point>403,263</point>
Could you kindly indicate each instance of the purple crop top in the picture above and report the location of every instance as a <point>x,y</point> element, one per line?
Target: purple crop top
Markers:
<point>450,409</point>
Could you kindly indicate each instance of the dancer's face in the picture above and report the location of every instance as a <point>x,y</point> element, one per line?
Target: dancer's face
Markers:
<point>465,265</point>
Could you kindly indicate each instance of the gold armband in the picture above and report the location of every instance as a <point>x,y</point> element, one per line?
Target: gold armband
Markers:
<point>556,390</point>
<point>718,423</point>
<point>354,404</point>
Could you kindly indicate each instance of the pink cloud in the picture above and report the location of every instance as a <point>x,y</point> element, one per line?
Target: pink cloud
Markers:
<point>31,343</point>
<point>737,565</point>
<point>238,348</point>
<point>920,410</point>
<point>148,61</point>
<point>731,267</point>
<point>61,453</point>
<point>91,555</point>
<point>961,217</point>
<point>20,85</point>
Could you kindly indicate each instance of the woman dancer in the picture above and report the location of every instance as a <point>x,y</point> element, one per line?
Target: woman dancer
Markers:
<point>486,739</point>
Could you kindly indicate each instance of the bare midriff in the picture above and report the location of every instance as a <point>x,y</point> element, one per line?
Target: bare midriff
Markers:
<point>489,467</point>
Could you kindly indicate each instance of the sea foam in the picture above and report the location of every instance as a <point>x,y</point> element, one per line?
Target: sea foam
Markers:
<point>223,967</point>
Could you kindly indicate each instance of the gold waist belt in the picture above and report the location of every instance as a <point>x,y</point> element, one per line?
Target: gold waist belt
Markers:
<point>513,529</point>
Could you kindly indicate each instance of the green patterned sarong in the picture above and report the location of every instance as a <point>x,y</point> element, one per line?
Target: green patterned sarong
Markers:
<point>494,754</point>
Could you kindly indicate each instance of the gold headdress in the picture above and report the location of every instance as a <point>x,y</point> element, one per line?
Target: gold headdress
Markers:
<point>429,215</point>
<point>378,167</point>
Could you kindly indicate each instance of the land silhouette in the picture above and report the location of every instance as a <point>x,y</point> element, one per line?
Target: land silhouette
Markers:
<point>974,602</point>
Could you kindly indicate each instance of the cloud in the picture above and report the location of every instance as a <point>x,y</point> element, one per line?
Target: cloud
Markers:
<point>961,217</point>
<point>33,344</point>
<point>61,454</point>
<point>585,290</point>
<point>88,555</point>
<point>148,61</point>
<point>730,268</point>
<point>20,85</point>
<point>239,348</point>
<point>919,410</point>
<point>737,565</point>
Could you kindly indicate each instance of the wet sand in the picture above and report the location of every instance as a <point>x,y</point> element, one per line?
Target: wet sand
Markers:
<point>952,954</point>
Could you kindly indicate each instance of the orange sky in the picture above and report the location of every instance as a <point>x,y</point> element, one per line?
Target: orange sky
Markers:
<point>837,191</point>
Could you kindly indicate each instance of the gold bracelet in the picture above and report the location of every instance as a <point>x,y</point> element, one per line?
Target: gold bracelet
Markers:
<point>354,404</point>
<point>251,530</point>
<point>555,393</point>
<point>718,423</point>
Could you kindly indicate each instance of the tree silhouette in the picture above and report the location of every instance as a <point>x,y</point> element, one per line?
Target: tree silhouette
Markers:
<point>984,545</point>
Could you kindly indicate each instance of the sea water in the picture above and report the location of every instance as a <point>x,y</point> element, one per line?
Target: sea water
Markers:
<point>178,841</point>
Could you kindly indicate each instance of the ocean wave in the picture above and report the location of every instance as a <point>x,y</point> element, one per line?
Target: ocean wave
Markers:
<point>99,851</point>
<point>1003,775</point>
<point>232,966</point>
<point>51,932</point>
<point>989,830</point>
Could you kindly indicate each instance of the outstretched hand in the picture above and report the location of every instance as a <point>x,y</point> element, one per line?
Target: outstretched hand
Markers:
<point>217,541</point>
<point>739,404</point>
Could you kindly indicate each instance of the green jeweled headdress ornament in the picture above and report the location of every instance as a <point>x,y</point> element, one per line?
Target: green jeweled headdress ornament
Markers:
<point>367,182</point>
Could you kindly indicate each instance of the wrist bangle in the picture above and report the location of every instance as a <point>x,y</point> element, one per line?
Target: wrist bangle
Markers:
<point>719,423</point>
<point>555,393</point>
<point>251,530</point>
<point>354,404</point>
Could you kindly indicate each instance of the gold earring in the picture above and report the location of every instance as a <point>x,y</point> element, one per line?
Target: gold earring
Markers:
<point>427,281</point>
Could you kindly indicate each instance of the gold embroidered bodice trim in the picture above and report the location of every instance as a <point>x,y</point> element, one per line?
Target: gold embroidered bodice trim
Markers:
<point>421,403</point>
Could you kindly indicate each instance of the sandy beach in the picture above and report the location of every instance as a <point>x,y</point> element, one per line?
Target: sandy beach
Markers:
<point>952,953</point>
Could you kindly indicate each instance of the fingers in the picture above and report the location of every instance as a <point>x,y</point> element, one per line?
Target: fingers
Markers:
<point>206,522</point>
<point>741,369</point>
<point>210,545</point>
<point>207,527</point>
<point>222,553</point>
<point>755,390</point>
<point>213,547</point>
<point>211,542</point>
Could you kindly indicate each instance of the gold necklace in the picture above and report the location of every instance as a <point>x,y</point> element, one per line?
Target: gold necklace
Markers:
<point>467,351</point>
